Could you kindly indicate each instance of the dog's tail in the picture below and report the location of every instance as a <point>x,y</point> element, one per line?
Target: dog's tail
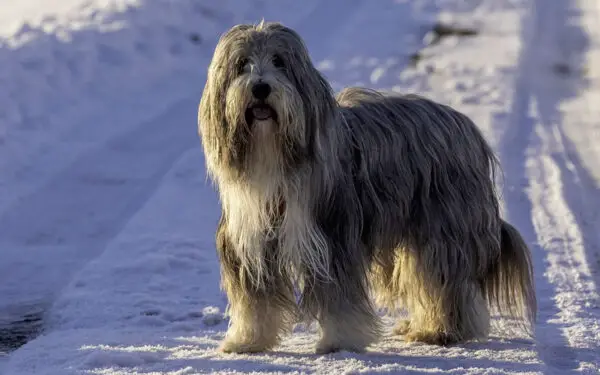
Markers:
<point>509,285</point>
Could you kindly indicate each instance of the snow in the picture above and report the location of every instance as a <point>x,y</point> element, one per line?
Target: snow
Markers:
<point>107,219</point>
<point>124,65</point>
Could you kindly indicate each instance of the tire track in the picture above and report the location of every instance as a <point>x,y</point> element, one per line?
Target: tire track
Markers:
<point>541,193</point>
<point>70,220</point>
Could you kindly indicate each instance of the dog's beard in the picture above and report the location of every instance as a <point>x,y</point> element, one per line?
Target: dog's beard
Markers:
<point>263,131</point>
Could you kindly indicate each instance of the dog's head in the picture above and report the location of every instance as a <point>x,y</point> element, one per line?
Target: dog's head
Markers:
<point>263,96</point>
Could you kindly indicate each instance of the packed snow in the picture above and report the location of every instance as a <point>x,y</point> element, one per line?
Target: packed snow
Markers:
<point>107,219</point>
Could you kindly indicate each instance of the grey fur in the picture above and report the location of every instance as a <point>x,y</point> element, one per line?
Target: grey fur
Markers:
<point>331,198</point>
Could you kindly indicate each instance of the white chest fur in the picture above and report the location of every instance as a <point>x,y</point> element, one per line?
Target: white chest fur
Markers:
<point>251,222</point>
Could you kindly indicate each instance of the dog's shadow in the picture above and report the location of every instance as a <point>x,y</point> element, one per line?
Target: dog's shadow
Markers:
<point>395,355</point>
<point>391,355</point>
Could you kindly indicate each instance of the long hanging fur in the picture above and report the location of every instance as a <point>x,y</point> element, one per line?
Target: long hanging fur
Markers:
<point>329,198</point>
<point>510,286</point>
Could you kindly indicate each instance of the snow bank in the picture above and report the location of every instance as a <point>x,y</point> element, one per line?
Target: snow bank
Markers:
<point>75,76</point>
<point>64,67</point>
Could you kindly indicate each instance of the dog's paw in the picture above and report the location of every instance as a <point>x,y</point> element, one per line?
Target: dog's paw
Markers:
<point>431,337</point>
<point>328,349</point>
<point>231,346</point>
<point>324,347</point>
<point>402,327</point>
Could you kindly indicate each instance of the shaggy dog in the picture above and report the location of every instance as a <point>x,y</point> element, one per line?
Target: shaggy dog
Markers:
<point>327,199</point>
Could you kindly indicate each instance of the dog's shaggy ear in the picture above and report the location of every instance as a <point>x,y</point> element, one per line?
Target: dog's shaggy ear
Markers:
<point>316,92</point>
<point>212,120</point>
<point>319,103</point>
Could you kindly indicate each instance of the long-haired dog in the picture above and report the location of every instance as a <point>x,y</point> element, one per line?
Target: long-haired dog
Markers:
<point>326,199</point>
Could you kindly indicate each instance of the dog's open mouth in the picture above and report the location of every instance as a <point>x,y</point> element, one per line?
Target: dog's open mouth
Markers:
<point>259,112</point>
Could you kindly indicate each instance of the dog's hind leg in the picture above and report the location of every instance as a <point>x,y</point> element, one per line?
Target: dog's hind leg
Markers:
<point>445,302</point>
<point>388,286</point>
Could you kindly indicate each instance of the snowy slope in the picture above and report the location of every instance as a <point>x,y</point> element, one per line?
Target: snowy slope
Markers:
<point>75,86</point>
<point>81,82</point>
<point>74,83</point>
<point>106,214</point>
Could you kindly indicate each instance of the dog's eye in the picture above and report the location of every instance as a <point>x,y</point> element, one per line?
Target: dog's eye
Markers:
<point>241,65</point>
<point>277,61</point>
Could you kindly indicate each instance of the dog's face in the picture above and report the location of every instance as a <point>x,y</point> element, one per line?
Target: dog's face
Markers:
<point>262,91</point>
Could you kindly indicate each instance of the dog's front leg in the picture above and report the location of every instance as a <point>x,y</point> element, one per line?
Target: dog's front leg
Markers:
<point>342,307</point>
<point>261,311</point>
<point>257,322</point>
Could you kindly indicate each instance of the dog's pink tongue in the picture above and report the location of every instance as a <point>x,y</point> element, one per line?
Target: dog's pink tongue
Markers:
<point>261,113</point>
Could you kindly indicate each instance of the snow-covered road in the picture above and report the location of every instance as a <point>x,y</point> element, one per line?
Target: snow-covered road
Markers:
<point>107,220</point>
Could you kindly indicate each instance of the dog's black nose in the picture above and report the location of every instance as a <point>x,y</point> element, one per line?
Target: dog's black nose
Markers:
<point>261,90</point>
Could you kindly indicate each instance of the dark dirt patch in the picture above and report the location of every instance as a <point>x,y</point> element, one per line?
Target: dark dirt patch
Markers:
<point>415,58</point>
<point>195,38</point>
<point>16,331</point>
<point>441,31</point>
<point>438,32</point>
